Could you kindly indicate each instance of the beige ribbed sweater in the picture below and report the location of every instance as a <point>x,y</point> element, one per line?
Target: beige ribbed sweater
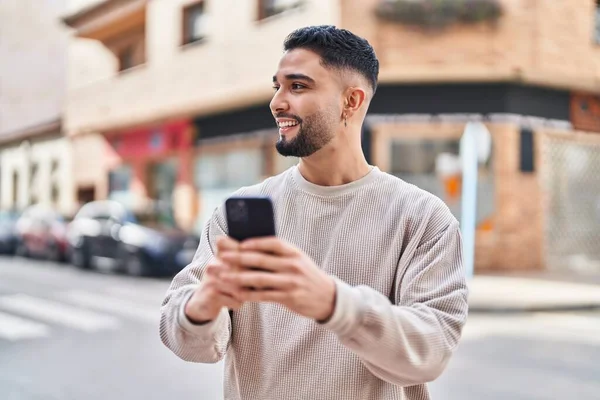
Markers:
<point>395,251</point>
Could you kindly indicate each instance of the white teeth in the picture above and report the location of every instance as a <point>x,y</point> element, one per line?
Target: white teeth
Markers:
<point>287,124</point>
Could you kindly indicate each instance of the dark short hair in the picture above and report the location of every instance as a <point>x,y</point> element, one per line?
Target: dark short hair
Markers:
<point>338,48</point>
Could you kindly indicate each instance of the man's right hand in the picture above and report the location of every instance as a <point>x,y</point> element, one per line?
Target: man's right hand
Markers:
<point>210,297</point>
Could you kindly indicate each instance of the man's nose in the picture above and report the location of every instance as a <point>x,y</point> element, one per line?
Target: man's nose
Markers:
<point>278,103</point>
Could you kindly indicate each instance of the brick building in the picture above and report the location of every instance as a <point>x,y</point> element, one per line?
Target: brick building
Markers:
<point>142,66</point>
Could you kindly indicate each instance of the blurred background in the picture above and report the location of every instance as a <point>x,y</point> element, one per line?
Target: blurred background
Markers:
<point>124,123</point>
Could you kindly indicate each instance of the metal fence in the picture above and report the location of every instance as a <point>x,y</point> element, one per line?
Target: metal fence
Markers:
<point>570,174</point>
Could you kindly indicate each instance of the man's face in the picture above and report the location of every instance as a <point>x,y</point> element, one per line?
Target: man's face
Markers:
<point>307,103</point>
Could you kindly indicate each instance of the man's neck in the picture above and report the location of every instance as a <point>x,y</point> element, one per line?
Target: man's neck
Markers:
<point>334,167</point>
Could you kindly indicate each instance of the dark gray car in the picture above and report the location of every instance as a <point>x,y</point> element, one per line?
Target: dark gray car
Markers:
<point>106,235</point>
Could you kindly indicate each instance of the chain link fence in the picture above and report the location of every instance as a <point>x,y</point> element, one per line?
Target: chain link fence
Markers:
<point>570,175</point>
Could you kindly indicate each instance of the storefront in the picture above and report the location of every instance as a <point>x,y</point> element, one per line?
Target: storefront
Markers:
<point>224,165</point>
<point>414,132</point>
<point>150,166</point>
<point>233,150</point>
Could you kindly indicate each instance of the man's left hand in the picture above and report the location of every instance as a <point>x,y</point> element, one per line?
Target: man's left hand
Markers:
<point>289,278</point>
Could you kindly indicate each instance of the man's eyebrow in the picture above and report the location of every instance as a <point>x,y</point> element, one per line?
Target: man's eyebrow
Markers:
<point>300,77</point>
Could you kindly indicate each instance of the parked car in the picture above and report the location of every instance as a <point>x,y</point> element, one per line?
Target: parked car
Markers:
<point>106,235</point>
<point>41,233</point>
<point>8,236</point>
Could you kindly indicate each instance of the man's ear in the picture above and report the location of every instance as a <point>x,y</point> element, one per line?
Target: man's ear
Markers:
<point>354,99</point>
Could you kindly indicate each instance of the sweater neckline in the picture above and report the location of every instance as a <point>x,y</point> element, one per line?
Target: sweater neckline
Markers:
<point>330,191</point>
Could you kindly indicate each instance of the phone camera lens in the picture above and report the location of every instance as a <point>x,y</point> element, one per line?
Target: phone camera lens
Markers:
<point>239,211</point>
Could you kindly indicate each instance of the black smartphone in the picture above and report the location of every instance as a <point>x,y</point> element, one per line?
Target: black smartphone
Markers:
<point>249,217</point>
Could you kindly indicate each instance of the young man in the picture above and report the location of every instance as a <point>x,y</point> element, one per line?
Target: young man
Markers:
<point>364,296</point>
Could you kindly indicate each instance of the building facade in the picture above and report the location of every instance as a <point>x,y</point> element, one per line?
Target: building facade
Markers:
<point>530,70</point>
<point>35,158</point>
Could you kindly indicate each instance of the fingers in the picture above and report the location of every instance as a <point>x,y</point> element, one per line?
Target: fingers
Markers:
<point>228,301</point>
<point>272,296</point>
<point>271,244</point>
<point>208,299</point>
<point>213,268</point>
<point>253,259</point>
<point>258,280</point>
<point>225,243</point>
<point>220,292</point>
<point>215,282</point>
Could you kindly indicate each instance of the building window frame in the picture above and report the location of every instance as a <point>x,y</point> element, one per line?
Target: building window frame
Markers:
<point>187,32</point>
<point>219,149</point>
<point>120,180</point>
<point>34,190</point>
<point>448,185</point>
<point>268,9</point>
<point>129,44</point>
<point>125,56</point>
<point>221,152</point>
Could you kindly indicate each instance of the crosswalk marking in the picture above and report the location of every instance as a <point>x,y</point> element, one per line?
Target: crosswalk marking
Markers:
<point>50,311</point>
<point>100,302</point>
<point>15,328</point>
<point>136,295</point>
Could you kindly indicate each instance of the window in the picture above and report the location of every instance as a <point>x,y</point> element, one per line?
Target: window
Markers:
<point>415,161</point>
<point>16,189</point>
<point>419,156</point>
<point>126,60</point>
<point>434,165</point>
<point>217,175</point>
<point>268,8</point>
<point>527,151</point>
<point>119,179</point>
<point>119,182</point>
<point>194,23</point>
<point>129,48</point>
<point>232,169</point>
<point>34,184</point>
<point>162,178</point>
<point>54,179</point>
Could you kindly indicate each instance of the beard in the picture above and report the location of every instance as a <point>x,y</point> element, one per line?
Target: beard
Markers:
<point>314,132</point>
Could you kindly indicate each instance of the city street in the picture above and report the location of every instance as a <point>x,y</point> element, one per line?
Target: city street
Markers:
<point>67,334</point>
<point>88,336</point>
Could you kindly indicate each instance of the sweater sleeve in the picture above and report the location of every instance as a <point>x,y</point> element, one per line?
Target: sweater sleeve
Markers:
<point>206,343</point>
<point>410,342</point>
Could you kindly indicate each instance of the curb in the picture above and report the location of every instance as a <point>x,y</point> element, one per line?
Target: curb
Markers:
<point>532,309</point>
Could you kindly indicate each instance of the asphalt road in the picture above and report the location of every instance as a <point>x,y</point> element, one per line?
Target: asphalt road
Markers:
<point>88,336</point>
<point>67,334</point>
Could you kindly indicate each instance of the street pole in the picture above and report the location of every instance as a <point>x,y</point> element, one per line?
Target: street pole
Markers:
<point>469,164</point>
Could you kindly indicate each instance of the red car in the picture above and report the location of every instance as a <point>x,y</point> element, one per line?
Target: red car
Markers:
<point>41,233</point>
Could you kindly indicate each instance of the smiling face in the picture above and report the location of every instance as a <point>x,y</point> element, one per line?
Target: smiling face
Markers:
<point>307,104</point>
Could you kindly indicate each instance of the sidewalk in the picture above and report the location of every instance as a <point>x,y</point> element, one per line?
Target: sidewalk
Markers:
<point>529,293</point>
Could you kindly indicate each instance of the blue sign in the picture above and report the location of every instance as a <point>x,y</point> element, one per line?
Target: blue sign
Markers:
<point>156,140</point>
